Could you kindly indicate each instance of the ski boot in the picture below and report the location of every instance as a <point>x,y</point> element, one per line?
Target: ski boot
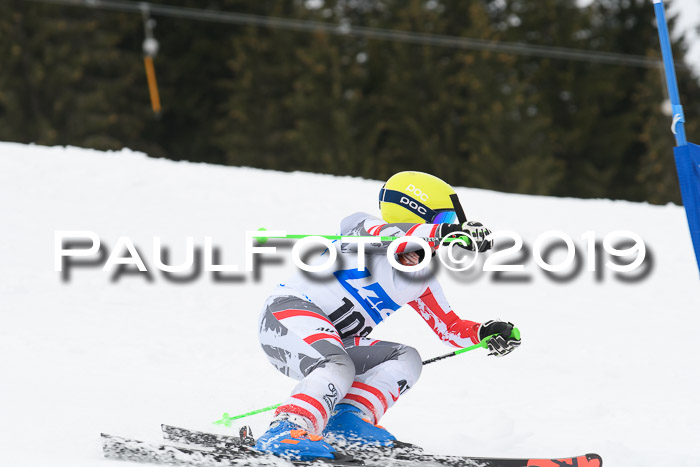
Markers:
<point>348,426</point>
<point>287,440</point>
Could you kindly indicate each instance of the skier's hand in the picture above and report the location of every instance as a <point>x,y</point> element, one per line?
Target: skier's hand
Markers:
<point>412,258</point>
<point>476,231</point>
<point>505,340</point>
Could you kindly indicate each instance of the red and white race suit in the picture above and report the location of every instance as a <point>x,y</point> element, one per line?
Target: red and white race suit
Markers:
<point>315,326</point>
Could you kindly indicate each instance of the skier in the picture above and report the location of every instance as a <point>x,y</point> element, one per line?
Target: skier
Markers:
<point>315,330</point>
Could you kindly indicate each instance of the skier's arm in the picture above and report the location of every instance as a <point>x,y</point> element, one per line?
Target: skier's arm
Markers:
<point>432,306</point>
<point>362,224</point>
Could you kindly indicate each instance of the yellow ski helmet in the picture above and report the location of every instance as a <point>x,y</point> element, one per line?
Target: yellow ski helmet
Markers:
<point>417,197</point>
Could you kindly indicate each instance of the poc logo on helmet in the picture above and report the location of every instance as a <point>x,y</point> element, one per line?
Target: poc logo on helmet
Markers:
<point>413,205</point>
<point>417,191</point>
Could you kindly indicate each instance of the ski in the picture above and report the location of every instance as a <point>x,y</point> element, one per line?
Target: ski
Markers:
<point>405,455</point>
<point>204,439</point>
<point>116,447</point>
<point>222,442</point>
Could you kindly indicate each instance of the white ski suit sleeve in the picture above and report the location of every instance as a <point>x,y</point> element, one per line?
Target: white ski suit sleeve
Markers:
<point>363,224</point>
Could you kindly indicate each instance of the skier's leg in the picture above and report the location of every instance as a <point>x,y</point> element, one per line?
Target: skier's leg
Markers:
<point>301,342</point>
<point>385,370</point>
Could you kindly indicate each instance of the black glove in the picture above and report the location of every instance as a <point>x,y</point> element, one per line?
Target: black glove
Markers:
<point>505,340</point>
<point>475,230</point>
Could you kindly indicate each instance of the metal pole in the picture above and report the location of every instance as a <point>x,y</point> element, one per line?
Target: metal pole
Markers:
<point>676,108</point>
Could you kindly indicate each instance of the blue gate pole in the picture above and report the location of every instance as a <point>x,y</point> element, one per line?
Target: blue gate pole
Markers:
<point>687,155</point>
<point>676,107</point>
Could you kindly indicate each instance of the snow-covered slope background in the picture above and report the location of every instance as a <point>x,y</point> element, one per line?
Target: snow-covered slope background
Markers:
<point>606,366</point>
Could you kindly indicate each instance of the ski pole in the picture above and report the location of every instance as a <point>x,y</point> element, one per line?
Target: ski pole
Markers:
<point>262,238</point>
<point>484,343</point>
<point>226,419</point>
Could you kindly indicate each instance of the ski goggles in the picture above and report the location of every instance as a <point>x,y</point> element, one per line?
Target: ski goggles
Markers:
<point>447,216</point>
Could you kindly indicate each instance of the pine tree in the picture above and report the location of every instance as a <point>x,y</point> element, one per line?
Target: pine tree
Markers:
<point>72,77</point>
<point>343,104</point>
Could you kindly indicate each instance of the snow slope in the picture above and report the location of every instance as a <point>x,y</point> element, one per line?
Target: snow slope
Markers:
<point>605,366</point>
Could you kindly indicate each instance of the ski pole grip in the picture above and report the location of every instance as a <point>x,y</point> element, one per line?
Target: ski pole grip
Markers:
<point>514,333</point>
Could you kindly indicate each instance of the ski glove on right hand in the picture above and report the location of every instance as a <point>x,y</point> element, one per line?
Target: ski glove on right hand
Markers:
<point>503,342</point>
<point>476,231</point>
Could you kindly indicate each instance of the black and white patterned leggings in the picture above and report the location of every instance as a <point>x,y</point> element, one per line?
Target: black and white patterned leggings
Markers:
<point>301,342</point>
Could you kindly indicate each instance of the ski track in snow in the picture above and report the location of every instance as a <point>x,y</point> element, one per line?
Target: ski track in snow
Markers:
<point>607,367</point>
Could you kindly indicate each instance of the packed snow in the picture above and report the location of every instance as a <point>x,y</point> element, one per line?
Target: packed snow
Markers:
<point>606,365</point>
